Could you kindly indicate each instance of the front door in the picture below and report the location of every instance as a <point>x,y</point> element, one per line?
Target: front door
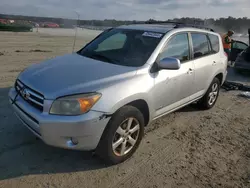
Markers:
<point>173,87</point>
<point>237,48</point>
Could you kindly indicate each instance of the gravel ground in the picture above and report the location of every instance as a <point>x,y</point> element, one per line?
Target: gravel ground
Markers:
<point>188,148</point>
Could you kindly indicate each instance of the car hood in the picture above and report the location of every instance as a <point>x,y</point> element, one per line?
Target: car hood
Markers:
<point>73,74</point>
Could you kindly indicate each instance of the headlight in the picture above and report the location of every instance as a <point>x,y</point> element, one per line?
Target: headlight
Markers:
<point>74,105</point>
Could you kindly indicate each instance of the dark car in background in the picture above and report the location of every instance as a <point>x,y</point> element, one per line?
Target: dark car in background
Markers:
<point>240,55</point>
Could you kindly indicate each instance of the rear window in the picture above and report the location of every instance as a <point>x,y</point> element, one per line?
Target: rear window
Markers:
<point>215,44</point>
<point>200,45</point>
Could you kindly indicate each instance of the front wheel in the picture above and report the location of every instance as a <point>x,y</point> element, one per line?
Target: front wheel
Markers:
<point>122,136</point>
<point>211,96</point>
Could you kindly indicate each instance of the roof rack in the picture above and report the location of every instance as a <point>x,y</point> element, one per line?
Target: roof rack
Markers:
<point>179,25</point>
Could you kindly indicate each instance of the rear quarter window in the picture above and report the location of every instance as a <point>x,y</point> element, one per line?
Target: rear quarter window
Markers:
<point>215,44</point>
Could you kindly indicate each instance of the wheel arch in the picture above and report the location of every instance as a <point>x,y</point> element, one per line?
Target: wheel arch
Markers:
<point>142,104</point>
<point>220,77</point>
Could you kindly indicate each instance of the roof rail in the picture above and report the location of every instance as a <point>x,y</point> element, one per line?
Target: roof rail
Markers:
<point>162,22</point>
<point>194,26</point>
<point>179,24</point>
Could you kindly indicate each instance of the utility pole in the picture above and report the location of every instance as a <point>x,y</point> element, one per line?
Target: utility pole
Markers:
<point>78,17</point>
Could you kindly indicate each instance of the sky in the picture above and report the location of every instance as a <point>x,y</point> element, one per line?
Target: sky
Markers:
<point>127,9</point>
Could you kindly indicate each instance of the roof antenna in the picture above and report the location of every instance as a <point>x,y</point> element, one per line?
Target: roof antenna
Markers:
<point>78,17</point>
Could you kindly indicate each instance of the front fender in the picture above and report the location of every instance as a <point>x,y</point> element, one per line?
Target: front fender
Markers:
<point>118,95</point>
<point>110,109</point>
<point>130,99</point>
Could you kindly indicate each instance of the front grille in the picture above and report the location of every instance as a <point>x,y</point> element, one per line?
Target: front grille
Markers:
<point>33,119</point>
<point>34,98</point>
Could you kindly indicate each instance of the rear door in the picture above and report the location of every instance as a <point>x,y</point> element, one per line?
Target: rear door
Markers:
<point>205,61</point>
<point>237,48</point>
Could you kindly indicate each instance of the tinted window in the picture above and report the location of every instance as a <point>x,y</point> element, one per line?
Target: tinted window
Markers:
<point>239,45</point>
<point>177,47</point>
<point>116,41</point>
<point>215,44</point>
<point>200,45</point>
<point>123,47</point>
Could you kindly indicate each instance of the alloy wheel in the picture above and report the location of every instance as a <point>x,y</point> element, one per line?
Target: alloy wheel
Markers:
<point>213,94</point>
<point>126,136</point>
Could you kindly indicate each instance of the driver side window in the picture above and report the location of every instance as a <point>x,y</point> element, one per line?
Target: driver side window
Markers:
<point>177,47</point>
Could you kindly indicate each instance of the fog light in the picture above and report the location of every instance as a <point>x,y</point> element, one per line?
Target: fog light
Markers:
<point>74,140</point>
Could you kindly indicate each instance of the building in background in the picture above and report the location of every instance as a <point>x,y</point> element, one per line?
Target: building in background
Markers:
<point>50,25</point>
<point>3,21</point>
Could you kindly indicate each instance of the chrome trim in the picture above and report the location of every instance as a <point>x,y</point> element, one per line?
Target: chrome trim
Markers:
<point>30,91</point>
<point>19,83</point>
<point>31,97</point>
<point>37,96</point>
<point>34,101</point>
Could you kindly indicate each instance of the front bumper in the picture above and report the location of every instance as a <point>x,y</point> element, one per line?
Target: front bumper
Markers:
<point>59,131</point>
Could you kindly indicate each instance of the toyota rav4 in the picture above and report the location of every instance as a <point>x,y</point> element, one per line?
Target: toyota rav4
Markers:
<point>102,97</point>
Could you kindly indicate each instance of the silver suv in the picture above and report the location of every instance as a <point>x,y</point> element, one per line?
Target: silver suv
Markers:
<point>103,96</point>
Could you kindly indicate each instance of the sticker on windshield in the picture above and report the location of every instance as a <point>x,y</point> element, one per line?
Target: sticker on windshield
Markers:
<point>150,34</point>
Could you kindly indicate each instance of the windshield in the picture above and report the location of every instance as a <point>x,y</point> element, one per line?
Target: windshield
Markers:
<point>123,47</point>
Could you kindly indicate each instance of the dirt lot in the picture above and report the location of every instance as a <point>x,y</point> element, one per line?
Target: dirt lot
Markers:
<point>189,148</point>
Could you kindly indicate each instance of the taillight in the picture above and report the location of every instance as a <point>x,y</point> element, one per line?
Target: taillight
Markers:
<point>226,56</point>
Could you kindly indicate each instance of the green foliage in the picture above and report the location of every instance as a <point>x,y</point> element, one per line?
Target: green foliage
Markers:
<point>15,28</point>
<point>240,25</point>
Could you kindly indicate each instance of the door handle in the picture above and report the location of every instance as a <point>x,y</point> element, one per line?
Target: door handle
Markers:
<point>190,71</point>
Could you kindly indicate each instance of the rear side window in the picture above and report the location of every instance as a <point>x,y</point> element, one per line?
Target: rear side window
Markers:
<point>177,47</point>
<point>215,44</point>
<point>200,45</point>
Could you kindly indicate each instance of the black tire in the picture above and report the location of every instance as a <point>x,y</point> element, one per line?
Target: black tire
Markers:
<point>203,103</point>
<point>105,149</point>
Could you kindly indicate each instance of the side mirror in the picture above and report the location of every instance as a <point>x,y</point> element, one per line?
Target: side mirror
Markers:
<point>169,63</point>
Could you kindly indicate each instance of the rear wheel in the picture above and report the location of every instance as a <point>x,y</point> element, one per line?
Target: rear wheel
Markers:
<point>122,136</point>
<point>210,98</point>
